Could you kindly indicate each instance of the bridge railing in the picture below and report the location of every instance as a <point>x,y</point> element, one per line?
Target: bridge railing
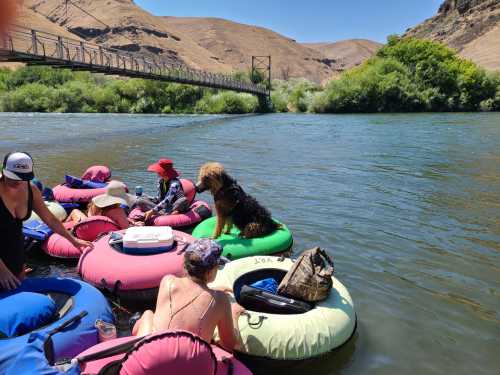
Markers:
<point>41,47</point>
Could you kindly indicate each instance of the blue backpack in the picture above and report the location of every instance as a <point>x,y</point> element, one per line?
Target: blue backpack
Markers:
<point>78,183</point>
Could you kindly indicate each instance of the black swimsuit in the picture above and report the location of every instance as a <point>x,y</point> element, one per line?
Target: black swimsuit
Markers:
<point>11,232</point>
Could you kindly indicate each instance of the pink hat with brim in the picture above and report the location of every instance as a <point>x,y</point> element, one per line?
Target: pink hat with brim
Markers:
<point>165,168</point>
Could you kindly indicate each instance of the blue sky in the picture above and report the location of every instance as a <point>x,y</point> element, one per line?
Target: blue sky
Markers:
<point>308,20</point>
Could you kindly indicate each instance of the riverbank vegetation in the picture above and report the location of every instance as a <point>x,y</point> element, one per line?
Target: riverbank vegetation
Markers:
<point>406,75</point>
<point>411,75</point>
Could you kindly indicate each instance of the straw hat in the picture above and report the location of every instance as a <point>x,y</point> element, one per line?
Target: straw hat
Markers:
<point>115,194</point>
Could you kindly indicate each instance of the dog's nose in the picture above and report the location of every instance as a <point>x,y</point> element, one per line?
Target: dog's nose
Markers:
<point>200,188</point>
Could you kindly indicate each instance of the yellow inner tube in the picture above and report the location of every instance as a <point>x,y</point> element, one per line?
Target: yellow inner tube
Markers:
<point>291,337</point>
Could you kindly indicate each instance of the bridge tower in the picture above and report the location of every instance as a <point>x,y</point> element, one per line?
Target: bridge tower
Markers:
<point>261,73</point>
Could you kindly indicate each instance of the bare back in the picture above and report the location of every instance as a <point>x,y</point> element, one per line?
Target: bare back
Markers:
<point>186,305</point>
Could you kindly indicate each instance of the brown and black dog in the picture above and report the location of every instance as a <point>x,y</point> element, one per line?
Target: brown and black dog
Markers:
<point>233,205</point>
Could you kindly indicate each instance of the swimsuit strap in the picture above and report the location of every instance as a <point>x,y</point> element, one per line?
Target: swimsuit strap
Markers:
<point>210,303</point>
<point>30,202</point>
<point>30,206</point>
<point>172,315</point>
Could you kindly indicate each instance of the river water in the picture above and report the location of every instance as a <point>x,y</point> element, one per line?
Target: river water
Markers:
<point>408,206</point>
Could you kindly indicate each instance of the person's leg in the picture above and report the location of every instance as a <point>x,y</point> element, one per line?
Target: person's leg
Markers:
<point>144,204</point>
<point>180,206</point>
<point>144,326</point>
<point>76,216</point>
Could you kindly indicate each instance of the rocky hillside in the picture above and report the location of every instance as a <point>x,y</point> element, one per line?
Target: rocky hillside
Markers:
<point>205,43</point>
<point>122,24</point>
<point>470,26</point>
<point>234,43</point>
<point>347,53</point>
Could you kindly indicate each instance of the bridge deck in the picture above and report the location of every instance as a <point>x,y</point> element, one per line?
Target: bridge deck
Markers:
<point>40,48</point>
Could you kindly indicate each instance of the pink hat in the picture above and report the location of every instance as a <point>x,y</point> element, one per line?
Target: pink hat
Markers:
<point>165,168</point>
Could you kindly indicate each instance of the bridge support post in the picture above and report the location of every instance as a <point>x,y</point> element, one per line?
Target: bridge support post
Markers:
<point>60,48</point>
<point>82,51</point>
<point>34,42</point>
<point>261,73</point>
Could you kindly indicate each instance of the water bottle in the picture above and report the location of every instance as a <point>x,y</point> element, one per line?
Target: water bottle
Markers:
<point>106,331</point>
<point>138,191</point>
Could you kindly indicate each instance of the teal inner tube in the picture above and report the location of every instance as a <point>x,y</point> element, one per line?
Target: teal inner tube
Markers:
<point>236,247</point>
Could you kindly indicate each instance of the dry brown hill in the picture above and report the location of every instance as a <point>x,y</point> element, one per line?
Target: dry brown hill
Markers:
<point>205,43</point>
<point>347,53</point>
<point>34,20</point>
<point>470,26</point>
<point>122,24</point>
<point>234,43</point>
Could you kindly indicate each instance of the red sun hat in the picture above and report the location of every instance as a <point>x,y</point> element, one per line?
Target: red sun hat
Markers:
<point>165,168</point>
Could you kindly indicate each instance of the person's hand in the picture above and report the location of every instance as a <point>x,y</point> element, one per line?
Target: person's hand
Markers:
<point>82,245</point>
<point>7,279</point>
<point>224,289</point>
<point>148,215</point>
<point>237,310</point>
<point>139,223</point>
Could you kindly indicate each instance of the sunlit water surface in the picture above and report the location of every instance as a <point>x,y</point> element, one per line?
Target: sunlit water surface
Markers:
<point>407,205</point>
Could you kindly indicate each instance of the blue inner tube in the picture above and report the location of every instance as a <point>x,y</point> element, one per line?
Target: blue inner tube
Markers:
<point>72,297</point>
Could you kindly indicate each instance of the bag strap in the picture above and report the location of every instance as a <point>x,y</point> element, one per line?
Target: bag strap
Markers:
<point>328,260</point>
<point>109,352</point>
<point>48,344</point>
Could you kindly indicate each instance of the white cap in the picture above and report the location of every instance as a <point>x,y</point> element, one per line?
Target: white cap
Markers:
<point>18,166</point>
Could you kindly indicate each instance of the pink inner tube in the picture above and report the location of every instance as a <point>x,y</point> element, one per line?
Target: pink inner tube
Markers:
<point>178,353</point>
<point>189,218</point>
<point>189,189</point>
<point>65,194</point>
<point>103,266</point>
<point>88,229</point>
<point>95,173</point>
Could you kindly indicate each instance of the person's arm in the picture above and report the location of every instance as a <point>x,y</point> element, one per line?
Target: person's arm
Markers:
<point>7,279</point>
<point>166,203</point>
<point>228,323</point>
<point>48,218</point>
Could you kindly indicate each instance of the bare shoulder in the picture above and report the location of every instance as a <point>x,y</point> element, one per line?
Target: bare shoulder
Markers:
<point>166,280</point>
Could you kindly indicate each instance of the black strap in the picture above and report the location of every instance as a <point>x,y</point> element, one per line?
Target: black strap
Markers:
<point>109,352</point>
<point>115,366</point>
<point>48,345</point>
<point>230,365</point>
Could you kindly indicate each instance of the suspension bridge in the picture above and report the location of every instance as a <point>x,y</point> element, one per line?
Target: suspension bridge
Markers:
<point>35,47</point>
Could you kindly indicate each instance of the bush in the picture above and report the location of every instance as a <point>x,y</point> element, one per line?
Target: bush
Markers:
<point>32,97</point>
<point>410,75</point>
<point>293,95</point>
<point>228,102</point>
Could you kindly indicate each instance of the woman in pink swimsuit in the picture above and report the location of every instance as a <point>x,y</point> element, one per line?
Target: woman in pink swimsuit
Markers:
<point>188,304</point>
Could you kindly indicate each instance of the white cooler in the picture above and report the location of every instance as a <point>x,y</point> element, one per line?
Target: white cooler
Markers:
<point>148,240</point>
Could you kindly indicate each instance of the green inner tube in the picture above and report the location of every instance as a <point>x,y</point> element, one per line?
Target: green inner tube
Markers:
<point>236,247</point>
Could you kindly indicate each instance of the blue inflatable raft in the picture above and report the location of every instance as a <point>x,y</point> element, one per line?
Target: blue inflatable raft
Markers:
<point>42,305</point>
